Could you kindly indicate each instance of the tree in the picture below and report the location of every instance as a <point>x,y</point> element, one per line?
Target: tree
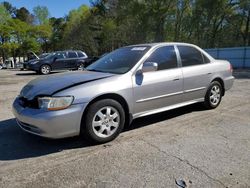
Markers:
<point>24,15</point>
<point>244,7</point>
<point>10,9</point>
<point>58,27</point>
<point>41,14</point>
<point>5,31</point>
<point>78,33</point>
<point>43,34</point>
<point>4,15</point>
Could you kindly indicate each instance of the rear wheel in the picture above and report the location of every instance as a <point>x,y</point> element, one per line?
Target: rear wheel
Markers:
<point>45,69</point>
<point>213,95</point>
<point>104,121</point>
<point>81,66</point>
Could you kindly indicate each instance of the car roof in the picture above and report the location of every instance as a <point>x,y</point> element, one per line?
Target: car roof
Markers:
<point>68,51</point>
<point>161,43</point>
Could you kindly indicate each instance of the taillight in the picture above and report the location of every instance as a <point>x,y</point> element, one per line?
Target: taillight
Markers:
<point>231,68</point>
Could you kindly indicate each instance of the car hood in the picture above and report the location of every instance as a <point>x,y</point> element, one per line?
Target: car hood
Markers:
<point>51,84</point>
<point>30,61</point>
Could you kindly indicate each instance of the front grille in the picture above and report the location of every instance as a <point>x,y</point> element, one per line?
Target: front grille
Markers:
<point>24,102</point>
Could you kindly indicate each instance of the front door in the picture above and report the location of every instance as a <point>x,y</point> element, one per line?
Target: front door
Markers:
<point>161,88</point>
<point>59,61</point>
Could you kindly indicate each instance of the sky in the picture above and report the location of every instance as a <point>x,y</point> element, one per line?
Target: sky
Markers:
<point>57,8</point>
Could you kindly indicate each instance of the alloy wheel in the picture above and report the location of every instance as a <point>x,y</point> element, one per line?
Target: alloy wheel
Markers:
<point>215,95</point>
<point>45,69</point>
<point>106,121</point>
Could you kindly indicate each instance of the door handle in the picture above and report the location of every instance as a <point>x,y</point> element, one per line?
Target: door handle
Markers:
<point>176,79</point>
<point>209,73</point>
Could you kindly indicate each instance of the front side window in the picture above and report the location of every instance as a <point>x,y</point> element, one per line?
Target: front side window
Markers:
<point>119,61</point>
<point>165,57</point>
<point>60,55</point>
<point>190,56</point>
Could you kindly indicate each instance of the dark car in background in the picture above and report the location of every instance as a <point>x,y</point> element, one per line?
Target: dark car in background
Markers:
<point>93,59</point>
<point>60,60</point>
<point>35,58</point>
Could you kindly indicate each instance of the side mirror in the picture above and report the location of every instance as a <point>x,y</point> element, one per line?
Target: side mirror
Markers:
<point>149,66</point>
<point>55,58</point>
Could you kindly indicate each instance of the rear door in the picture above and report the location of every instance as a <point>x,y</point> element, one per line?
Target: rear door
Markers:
<point>72,59</point>
<point>161,88</point>
<point>197,72</point>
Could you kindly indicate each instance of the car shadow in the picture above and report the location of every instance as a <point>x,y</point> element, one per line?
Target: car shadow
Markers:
<point>242,73</point>
<point>26,74</point>
<point>33,73</point>
<point>163,116</point>
<point>17,144</point>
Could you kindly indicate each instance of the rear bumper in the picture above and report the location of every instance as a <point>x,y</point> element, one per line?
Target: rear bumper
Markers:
<point>228,82</point>
<point>50,124</point>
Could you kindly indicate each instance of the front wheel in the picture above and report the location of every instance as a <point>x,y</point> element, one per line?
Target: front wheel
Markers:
<point>45,69</point>
<point>213,95</point>
<point>104,121</point>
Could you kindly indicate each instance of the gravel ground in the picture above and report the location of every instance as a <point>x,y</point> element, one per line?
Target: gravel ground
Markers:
<point>205,148</point>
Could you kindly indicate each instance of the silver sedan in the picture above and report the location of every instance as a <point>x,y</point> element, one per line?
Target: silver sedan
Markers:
<point>128,83</point>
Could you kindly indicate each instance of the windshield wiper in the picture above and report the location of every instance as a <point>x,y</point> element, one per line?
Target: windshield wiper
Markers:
<point>95,70</point>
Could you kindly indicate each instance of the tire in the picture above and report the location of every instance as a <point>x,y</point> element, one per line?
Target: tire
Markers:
<point>214,95</point>
<point>45,69</point>
<point>81,66</point>
<point>103,121</point>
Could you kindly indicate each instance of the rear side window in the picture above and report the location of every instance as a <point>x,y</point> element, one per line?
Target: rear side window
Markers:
<point>72,55</point>
<point>190,56</point>
<point>165,57</point>
<point>60,55</point>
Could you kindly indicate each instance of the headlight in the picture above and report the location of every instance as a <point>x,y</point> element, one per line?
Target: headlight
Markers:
<point>34,62</point>
<point>55,103</point>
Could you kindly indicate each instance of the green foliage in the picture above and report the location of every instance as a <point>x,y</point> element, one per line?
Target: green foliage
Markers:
<point>41,14</point>
<point>78,32</point>
<point>10,9</point>
<point>24,15</point>
<point>109,24</point>
<point>4,15</point>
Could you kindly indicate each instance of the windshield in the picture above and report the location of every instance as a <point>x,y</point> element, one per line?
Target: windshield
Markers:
<point>50,56</point>
<point>119,61</point>
<point>43,55</point>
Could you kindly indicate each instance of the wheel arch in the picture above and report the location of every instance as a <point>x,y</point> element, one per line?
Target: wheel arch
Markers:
<point>116,97</point>
<point>220,80</point>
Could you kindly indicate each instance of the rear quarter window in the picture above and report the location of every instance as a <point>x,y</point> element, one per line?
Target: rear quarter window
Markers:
<point>80,54</point>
